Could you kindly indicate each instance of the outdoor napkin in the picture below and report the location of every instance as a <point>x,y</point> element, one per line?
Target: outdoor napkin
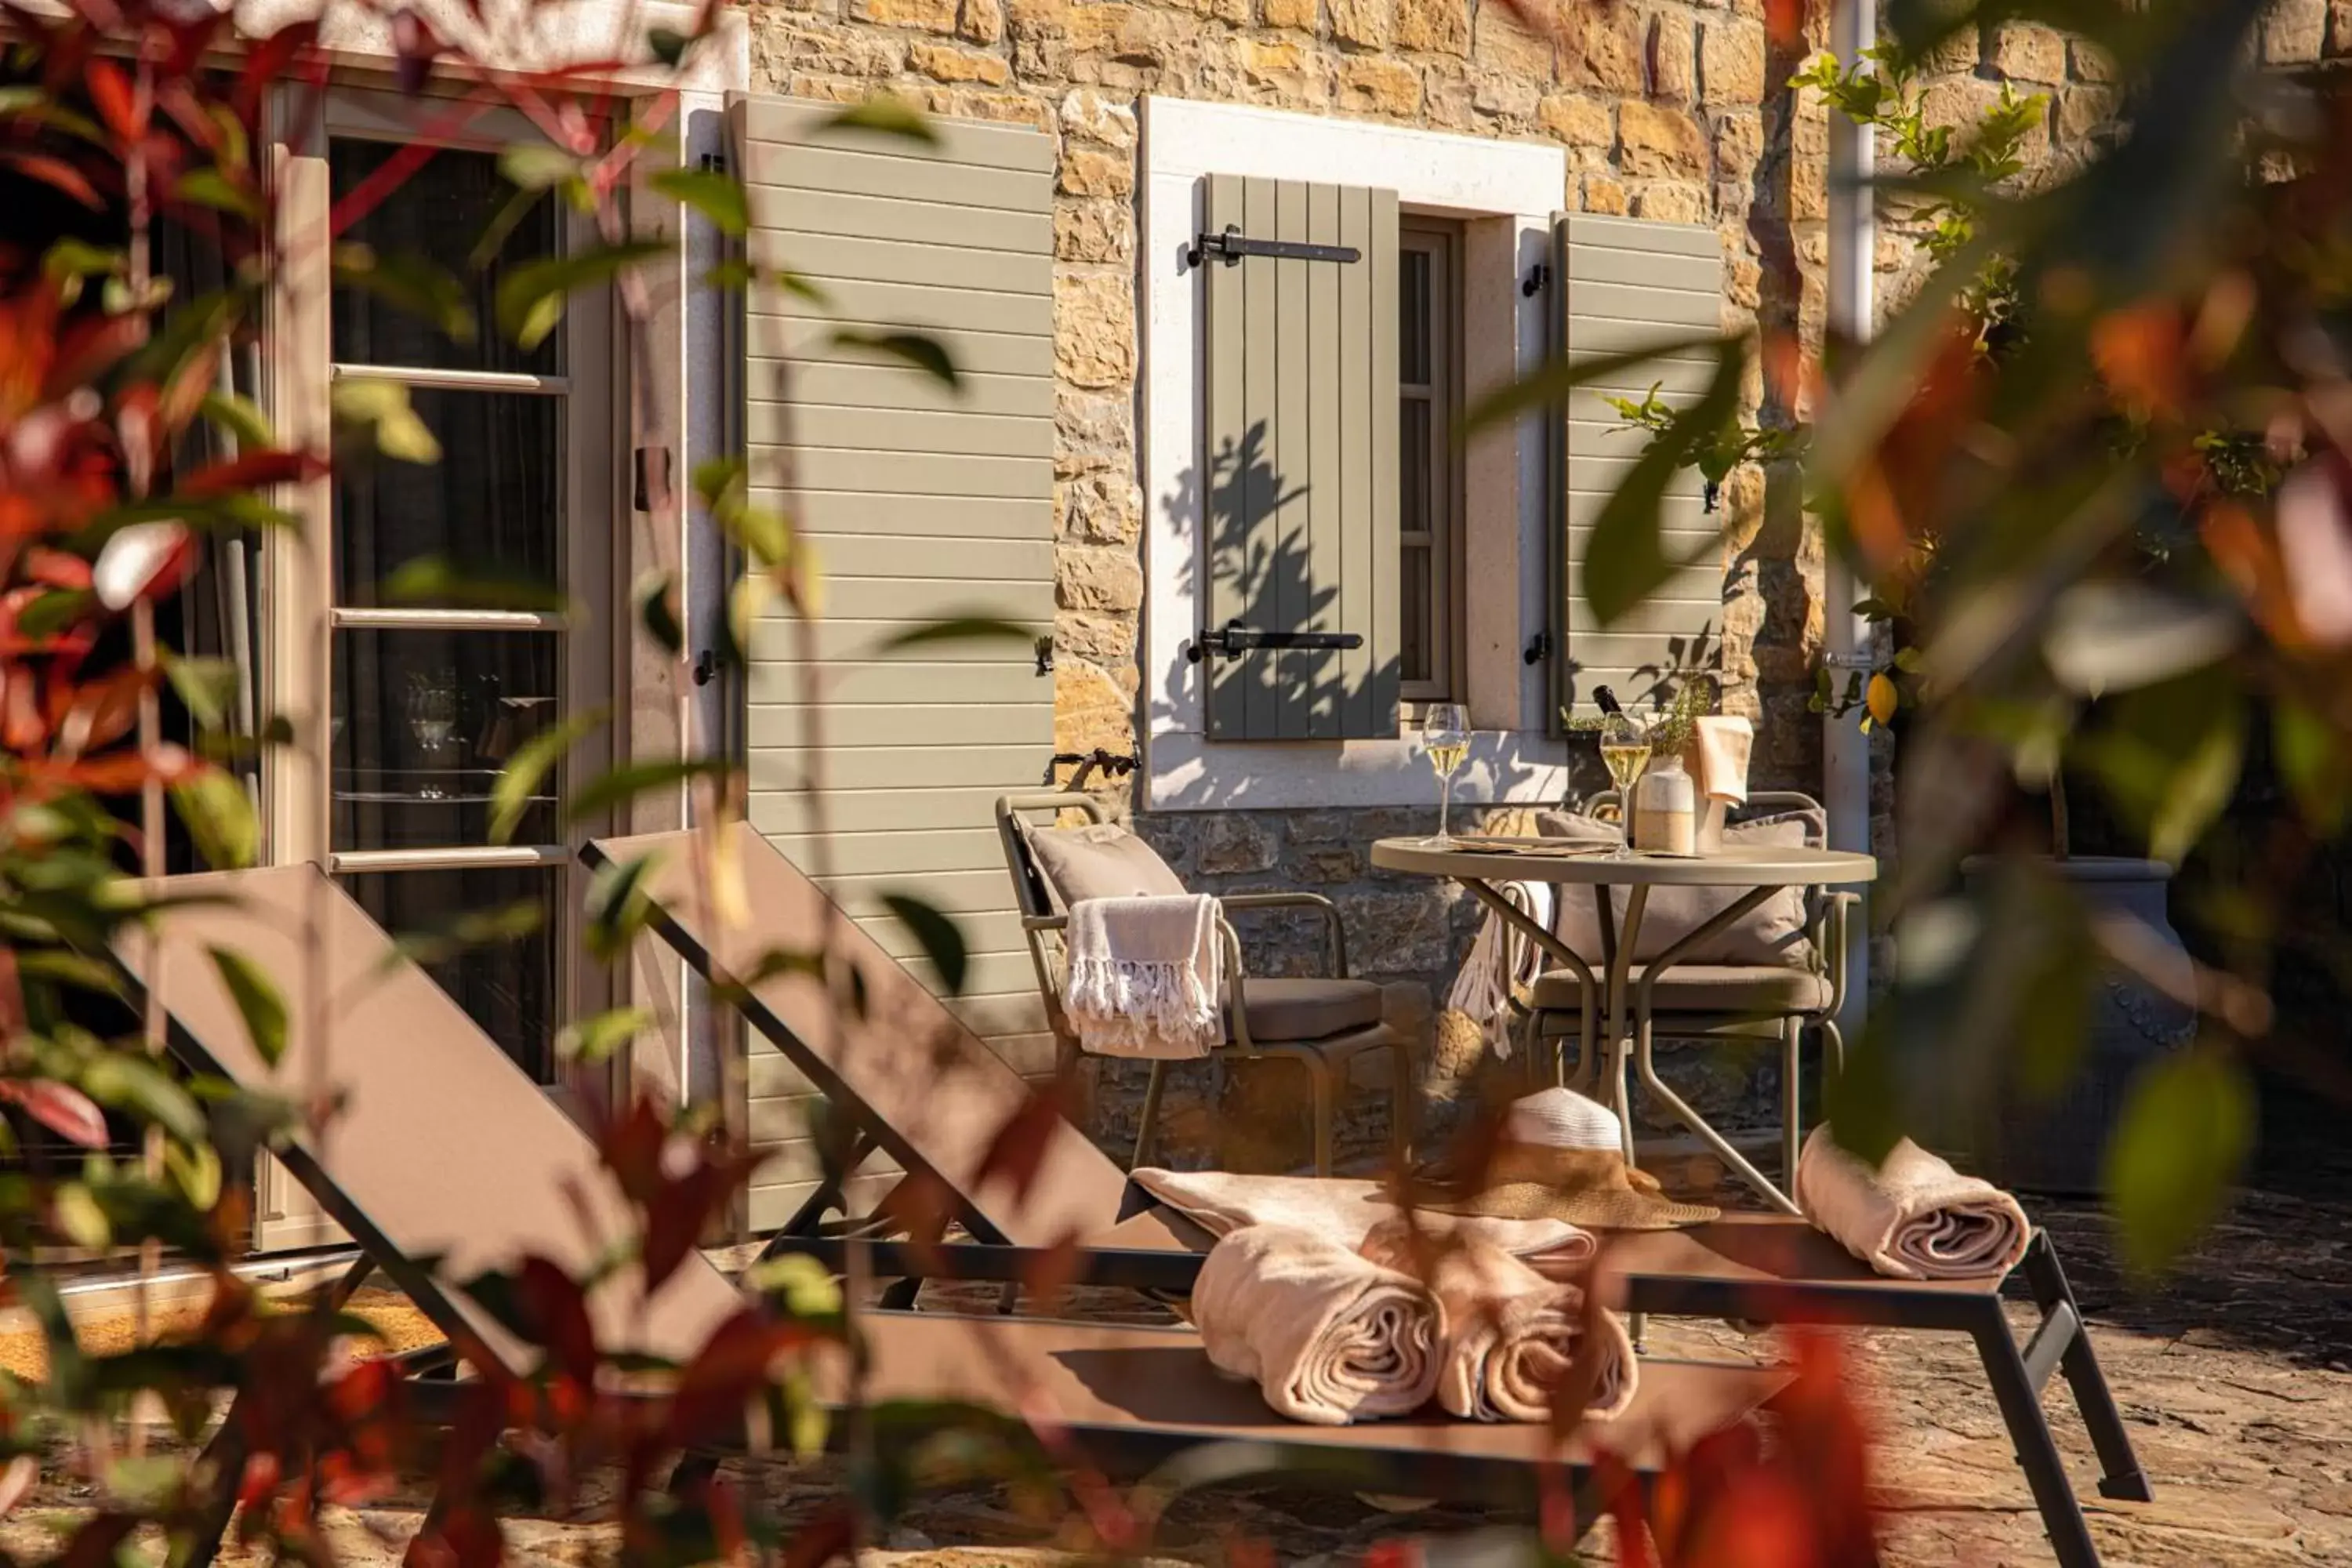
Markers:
<point>1510,1335</point>
<point>1724,742</point>
<point>1147,976</point>
<point>1329,1337</point>
<point>1915,1218</point>
<point>1345,1212</point>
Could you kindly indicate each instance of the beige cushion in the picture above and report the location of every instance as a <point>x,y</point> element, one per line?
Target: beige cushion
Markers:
<point>1701,988</point>
<point>1100,860</point>
<point>1309,1009</point>
<point>1773,933</point>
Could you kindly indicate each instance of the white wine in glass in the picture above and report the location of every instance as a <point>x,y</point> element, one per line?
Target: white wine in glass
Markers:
<point>1445,736</point>
<point>1624,752</point>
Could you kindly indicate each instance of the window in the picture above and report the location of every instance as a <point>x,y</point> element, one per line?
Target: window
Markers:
<point>1429,485</point>
<point>424,697</point>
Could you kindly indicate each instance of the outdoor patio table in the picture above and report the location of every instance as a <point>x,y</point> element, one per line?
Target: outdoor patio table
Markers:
<point>1761,869</point>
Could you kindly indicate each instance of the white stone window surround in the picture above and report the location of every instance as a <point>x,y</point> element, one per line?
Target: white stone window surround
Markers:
<point>1507,192</point>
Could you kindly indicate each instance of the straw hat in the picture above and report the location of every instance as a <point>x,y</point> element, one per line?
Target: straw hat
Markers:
<point>1562,1156</point>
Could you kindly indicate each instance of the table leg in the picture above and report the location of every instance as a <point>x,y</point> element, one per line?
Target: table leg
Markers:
<point>1619,991</point>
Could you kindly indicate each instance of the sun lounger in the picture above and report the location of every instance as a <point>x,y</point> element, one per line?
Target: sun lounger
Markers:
<point>1772,1268</point>
<point>447,1159</point>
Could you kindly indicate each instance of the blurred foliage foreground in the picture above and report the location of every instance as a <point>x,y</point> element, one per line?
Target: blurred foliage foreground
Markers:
<point>2086,592</point>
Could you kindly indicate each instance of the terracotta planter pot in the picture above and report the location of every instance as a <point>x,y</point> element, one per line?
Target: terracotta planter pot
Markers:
<point>2056,1146</point>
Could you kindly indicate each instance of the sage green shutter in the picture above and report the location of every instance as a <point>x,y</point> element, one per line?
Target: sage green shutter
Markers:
<point>919,502</point>
<point>1621,284</point>
<point>1301,459</point>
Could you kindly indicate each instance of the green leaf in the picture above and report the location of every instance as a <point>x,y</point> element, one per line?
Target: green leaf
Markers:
<point>196,1169</point>
<point>595,1039</point>
<point>468,932</point>
<point>242,418</point>
<point>258,1002</point>
<point>2170,754</point>
<point>942,944</point>
<point>1624,562</point>
<point>410,283</point>
<point>212,188</point>
<point>617,907</point>
<point>1551,385</point>
<point>439,582</point>
<point>914,349</point>
<point>798,1286</point>
<point>655,596</point>
<point>630,780</point>
<point>531,297</point>
<point>381,410</point>
<point>2311,760</point>
<point>75,1213</point>
<point>538,165</point>
<point>716,195</point>
<point>885,115</point>
<point>2186,1129</point>
<point>527,770</point>
<point>961,628</point>
<point>206,686</point>
<point>219,815</point>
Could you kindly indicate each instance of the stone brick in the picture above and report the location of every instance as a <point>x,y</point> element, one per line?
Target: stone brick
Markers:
<point>1731,62</point>
<point>1505,95</point>
<point>2294,32</point>
<point>1094,328</point>
<point>1660,141</point>
<point>1369,84</point>
<point>1233,842</point>
<point>2028,51</point>
<point>1960,102</point>
<point>1092,430</point>
<point>1124,33</point>
<point>1093,705</point>
<point>839,51</point>
<point>930,16</point>
<point>1363,22</point>
<point>1672,60</point>
<point>1500,42</point>
<point>2088,62</point>
<point>1956,53</point>
<point>1603,195</point>
<point>1602,52</point>
<point>1578,122</point>
<point>943,62</point>
<point>1671,202</point>
<point>1104,639</point>
<point>1090,578</point>
<point>2083,110</point>
<point>1448,96</point>
<point>1094,231</point>
<point>2339,30</point>
<point>1295,15</point>
<point>1441,26</point>
<point>1289,71</point>
<point>1090,172</point>
<point>1098,509</point>
<point>983,21</point>
<point>1327,864</point>
<point>1090,115</point>
<point>1738,144</point>
<point>1397,934</point>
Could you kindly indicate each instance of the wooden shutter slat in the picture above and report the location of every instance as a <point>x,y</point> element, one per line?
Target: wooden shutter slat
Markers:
<point>1620,285</point>
<point>1382,633</point>
<point>1324,493</point>
<point>1225,463</point>
<point>1358,396</point>
<point>1292,560</point>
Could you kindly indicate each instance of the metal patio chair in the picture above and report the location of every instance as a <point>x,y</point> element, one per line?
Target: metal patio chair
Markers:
<point>1323,1024</point>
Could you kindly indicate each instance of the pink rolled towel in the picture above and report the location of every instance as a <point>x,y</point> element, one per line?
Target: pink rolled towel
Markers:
<point>1329,1337</point>
<point>1510,1334</point>
<point>1915,1218</point>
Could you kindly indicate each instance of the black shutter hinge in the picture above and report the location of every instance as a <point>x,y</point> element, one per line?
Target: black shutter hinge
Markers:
<point>1237,639</point>
<point>1044,648</point>
<point>1233,245</point>
<point>1539,275</point>
<point>1539,648</point>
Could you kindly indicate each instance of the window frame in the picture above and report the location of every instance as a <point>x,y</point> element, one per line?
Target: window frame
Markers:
<point>300,613</point>
<point>1440,240</point>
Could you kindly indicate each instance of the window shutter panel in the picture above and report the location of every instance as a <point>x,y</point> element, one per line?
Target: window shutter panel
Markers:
<point>1623,284</point>
<point>919,502</point>
<point>1301,462</point>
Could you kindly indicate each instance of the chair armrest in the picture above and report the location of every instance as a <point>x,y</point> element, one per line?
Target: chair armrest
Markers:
<point>1332,924</point>
<point>1832,912</point>
<point>1237,1027</point>
<point>1044,922</point>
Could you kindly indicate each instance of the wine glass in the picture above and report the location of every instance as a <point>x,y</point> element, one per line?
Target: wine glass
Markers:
<point>1445,736</point>
<point>432,720</point>
<point>1624,752</point>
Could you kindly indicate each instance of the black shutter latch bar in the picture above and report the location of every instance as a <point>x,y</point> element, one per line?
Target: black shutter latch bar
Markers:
<point>1237,639</point>
<point>1233,245</point>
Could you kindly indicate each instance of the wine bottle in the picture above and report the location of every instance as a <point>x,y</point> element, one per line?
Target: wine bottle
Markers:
<point>1607,700</point>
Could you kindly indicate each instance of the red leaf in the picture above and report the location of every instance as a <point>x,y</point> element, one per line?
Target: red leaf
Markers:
<point>558,1317</point>
<point>418,46</point>
<point>831,1534</point>
<point>117,102</point>
<point>729,1369</point>
<point>56,171</point>
<point>55,568</point>
<point>631,1145</point>
<point>59,1107</point>
<point>269,61</point>
<point>1018,1151</point>
<point>252,472</point>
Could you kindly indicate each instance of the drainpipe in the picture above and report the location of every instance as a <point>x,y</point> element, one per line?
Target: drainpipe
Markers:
<point>1853,236</point>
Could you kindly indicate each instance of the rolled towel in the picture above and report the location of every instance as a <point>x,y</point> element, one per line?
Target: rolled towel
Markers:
<point>1915,1218</point>
<point>1344,1210</point>
<point>1329,1337</point>
<point>1510,1335</point>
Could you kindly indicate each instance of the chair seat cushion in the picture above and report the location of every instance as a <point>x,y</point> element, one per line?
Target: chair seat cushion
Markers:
<point>1310,1009</point>
<point>1755,989</point>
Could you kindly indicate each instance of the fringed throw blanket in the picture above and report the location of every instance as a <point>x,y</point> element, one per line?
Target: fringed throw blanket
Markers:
<point>1147,976</point>
<point>1347,1211</point>
<point>1512,1337</point>
<point>1329,1337</point>
<point>1915,1218</point>
<point>1503,962</point>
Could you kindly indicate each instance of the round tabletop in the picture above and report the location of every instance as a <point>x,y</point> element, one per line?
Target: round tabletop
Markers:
<point>1733,865</point>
